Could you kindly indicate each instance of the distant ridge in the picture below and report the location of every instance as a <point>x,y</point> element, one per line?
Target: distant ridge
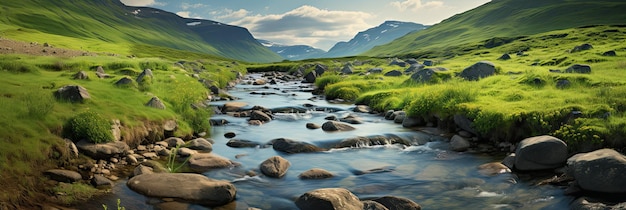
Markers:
<point>293,52</point>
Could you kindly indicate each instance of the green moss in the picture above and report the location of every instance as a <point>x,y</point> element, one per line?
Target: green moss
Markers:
<point>91,126</point>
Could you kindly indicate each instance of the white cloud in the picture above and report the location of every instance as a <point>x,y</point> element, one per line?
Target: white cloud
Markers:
<point>185,14</point>
<point>230,14</point>
<point>139,3</point>
<point>187,6</point>
<point>307,25</point>
<point>415,5</point>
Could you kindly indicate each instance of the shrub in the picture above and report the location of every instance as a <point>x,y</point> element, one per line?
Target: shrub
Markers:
<point>89,125</point>
<point>582,133</point>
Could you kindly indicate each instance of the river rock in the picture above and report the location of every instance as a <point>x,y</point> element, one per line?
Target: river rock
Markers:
<point>329,198</point>
<point>336,126</point>
<point>173,142</point>
<point>102,151</point>
<point>399,116</point>
<point>142,169</point>
<point>316,173</point>
<point>186,152</point>
<point>362,109</point>
<point>479,70</point>
<point>540,152</point>
<point>292,146</point>
<point>459,144</point>
<point>310,77</point>
<point>72,93</point>
<point>240,143</point>
<point>200,144</point>
<point>61,175</point>
<point>230,135</point>
<point>410,122</point>
<point>464,123</point>
<point>233,107</point>
<point>364,141</point>
<point>313,126</point>
<point>509,161</point>
<point>494,168</point>
<point>373,205</point>
<point>186,187</point>
<point>259,115</point>
<point>602,170</point>
<point>275,166</point>
<point>352,119</point>
<point>101,182</point>
<point>205,161</point>
<point>398,203</point>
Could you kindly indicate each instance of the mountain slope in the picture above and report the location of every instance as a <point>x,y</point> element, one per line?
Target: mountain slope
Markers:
<point>366,40</point>
<point>293,52</point>
<point>506,18</point>
<point>110,26</point>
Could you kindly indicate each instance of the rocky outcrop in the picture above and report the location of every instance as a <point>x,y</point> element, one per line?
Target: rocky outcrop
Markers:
<point>275,166</point>
<point>186,187</point>
<point>479,70</point>
<point>336,126</point>
<point>72,93</point>
<point>539,153</point>
<point>329,198</point>
<point>316,173</point>
<point>599,171</point>
<point>292,146</point>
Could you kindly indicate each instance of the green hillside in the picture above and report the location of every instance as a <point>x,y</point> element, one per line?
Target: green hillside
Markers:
<point>111,27</point>
<point>503,18</point>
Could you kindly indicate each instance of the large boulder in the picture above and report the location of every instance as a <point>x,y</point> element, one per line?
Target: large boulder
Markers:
<point>478,70</point>
<point>200,144</point>
<point>320,69</point>
<point>72,93</point>
<point>579,68</point>
<point>276,166</point>
<point>310,77</point>
<point>155,102</point>
<point>336,126</point>
<point>539,153</point>
<point>600,171</point>
<point>347,69</point>
<point>206,161</point>
<point>398,203</point>
<point>329,198</point>
<point>61,175</point>
<point>185,187</point>
<point>459,144</point>
<point>393,73</point>
<point>292,146</point>
<point>146,73</point>
<point>102,151</point>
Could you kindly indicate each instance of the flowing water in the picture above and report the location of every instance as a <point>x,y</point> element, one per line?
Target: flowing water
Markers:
<point>427,173</point>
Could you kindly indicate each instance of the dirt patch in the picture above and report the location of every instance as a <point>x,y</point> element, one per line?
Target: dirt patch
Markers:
<point>33,48</point>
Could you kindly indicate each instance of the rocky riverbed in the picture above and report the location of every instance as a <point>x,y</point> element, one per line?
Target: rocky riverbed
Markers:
<point>278,146</point>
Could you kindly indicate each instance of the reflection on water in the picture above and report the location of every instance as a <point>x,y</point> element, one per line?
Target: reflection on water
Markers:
<point>428,174</point>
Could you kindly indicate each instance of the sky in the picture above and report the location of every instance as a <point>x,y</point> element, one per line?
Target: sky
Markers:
<point>319,23</point>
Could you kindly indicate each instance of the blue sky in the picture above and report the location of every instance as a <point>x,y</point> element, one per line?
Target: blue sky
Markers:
<point>320,23</point>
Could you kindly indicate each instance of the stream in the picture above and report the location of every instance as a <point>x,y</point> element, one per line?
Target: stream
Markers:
<point>426,172</point>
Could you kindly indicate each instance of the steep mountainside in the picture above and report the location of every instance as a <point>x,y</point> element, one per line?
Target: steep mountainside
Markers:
<point>110,26</point>
<point>293,52</point>
<point>366,40</point>
<point>505,18</point>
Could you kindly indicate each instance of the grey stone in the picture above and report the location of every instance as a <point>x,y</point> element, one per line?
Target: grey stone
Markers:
<point>202,162</point>
<point>187,187</point>
<point>336,126</point>
<point>422,76</point>
<point>398,203</point>
<point>599,171</point>
<point>459,144</point>
<point>260,116</point>
<point>145,73</point>
<point>155,102</point>
<point>316,173</point>
<point>72,93</point>
<point>539,153</point>
<point>61,175</point>
<point>579,68</point>
<point>141,169</point>
<point>393,73</point>
<point>200,144</point>
<point>313,126</point>
<point>292,146</point>
<point>479,70</point>
<point>329,198</point>
<point>101,182</point>
<point>504,57</point>
<point>102,151</point>
<point>275,166</point>
<point>240,143</point>
<point>81,75</point>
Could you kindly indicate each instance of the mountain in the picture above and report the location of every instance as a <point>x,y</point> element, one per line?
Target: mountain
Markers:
<point>504,18</point>
<point>110,26</point>
<point>366,40</point>
<point>293,52</point>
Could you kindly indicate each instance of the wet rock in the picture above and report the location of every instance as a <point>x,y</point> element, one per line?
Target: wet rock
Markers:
<point>509,161</point>
<point>410,122</point>
<point>200,144</point>
<point>275,167</point>
<point>233,107</point>
<point>599,171</point>
<point>155,102</point>
<point>383,169</point>
<point>186,187</point>
<point>586,203</point>
<point>459,144</point>
<point>72,93</point>
<point>218,122</point>
<point>336,126</point>
<point>579,68</point>
<point>101,182</point>
<point>173,142</point>
<point>540,152</point>
<point>202,162</point>
<point>365,141</point>
<point>479,70</point>
<point>329,198</point>
<point>61,175</point>
<point>240,143</point>
<point>141,169</point>
<point>230,135</point>
<point>292,146</point>
<point>399,116</point>
<point>352,119</point>
<point>373,205</point>
<point>398,203</point>
<point>102,151</point>
<point>259,82</point>
<point>362,109</point>
<point>494,168</point>
<point>313,126</point>
<point>260,116</point>
<point>316,173</point>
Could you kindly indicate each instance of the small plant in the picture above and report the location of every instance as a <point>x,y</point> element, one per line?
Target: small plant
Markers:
<point>171,166</point>
<point>118,205</point>
<point>91,126</point>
